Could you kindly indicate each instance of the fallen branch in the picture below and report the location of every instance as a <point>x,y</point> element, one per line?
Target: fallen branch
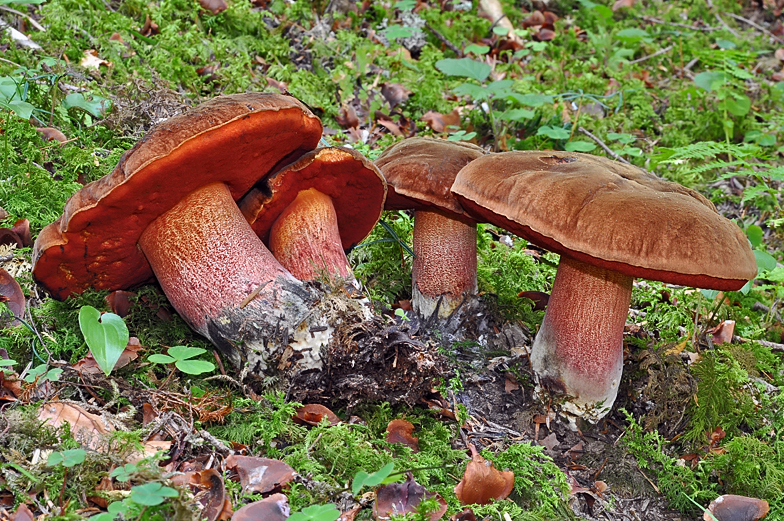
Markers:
<point>651,19</point>
<point>606,149</point>
<point>452,47</point>
<point>772,345</point>
<point>730,29</point>
<point>654,55</point>
<point>754,25</point>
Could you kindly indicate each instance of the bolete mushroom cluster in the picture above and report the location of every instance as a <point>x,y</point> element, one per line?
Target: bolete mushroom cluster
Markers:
<point>168,212</point>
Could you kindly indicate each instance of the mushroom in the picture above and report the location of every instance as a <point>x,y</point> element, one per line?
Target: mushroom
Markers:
<point>314,209</point>
<point>168,208</point>
<point>610,223</point>
<point>419,173</point>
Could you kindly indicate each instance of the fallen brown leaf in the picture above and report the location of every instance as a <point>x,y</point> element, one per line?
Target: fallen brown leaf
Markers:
<point>401,431</point>
<point>11,294</point>
<point>120,302</point>
<point>214,6</point>
<point>395,93</point>
<point>402,498</point>
<point>550,441</point>
<point>347,117</point>
<point>439,122</point>
<point>22,513</point>
<point>722,333</point>
<point>619,4</point>
<point>730,507</point>
<point>88,365</point>
<point>313,414</point>
<point>261,475</point>
<point>50,134</point>
<point>273,508</point>
<point>213,497</point>
<point>482,482</point>
<point>86,428</point>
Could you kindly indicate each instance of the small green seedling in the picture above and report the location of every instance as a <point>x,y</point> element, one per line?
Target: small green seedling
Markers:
<point>316,513</point>
<point>40,374</point>
<point>66,458</point>
<point>6,364</point>
<point>400,312</point>
<point>181,356</point>
<point>125,472</point>
<point>151,494</point>
<point>106,335</point>
<point>371,480</point>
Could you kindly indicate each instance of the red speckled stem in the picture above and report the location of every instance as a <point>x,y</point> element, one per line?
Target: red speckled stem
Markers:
<point>579,348</point>
<point>306,240</point>
<point>444,262</point>
<point>209,261</point>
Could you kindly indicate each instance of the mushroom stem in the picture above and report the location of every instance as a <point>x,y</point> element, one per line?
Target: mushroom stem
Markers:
<point>208,261</point>
<point>306,240</point>
<point>444,262</point>
<point>579,348</point>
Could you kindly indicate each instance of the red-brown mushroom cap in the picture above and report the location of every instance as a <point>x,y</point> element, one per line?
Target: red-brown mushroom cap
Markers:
<point>610,215</point>
<point>354,184</point>
<point>233,139</point>
<point>420,172</point>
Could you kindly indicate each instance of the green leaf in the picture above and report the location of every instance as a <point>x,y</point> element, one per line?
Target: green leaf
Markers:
<point>621,138</point>
<point>5,362</point>
<point>363,479</point>
<point>579,146</point>
<point>66,458</point>
<point>709,294</point>
<point>106,336</point>
<point>399,31</point>
<point>194,366</point>
<point>553,132</point>
<point>738,104</point>
<point>476,49</point>
<point>754,233</point>
<point>500,31</point>
<point>709,80</point>
<point>405,5</point>
<point>21,108</point>
<point>465,67</point>
<point>125,472</point>
<point>97,106</point>
<point>726,44</point>
<point>151,494</point>
<point>161,359</point>
<point>532,100</point>
<point>517,114</point>
<point>185,352</point>
<point>632,35</point>
<point>472,90</point>
<point>316,513</point>
<point>765,261</point>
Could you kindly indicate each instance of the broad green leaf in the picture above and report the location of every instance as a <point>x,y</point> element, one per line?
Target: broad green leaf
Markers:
<point>316,513</point>
<point>765,261</point>
<point>630,151</point>
<point>709,294</point>
<point>125,472</point>
<point>621,138</point>
<point>726,44</point>
<point>553,132</point>
<point>21,108</point>
<point>151,494</point>
<point>709,80</point>
<point>362,478</point>
<point>476,49</point>
<point>405,5</point>
<point>8,88</point>
<point>5,362</point>
<point>767,140</point>
<point>106,336</point>
<point>738,104</point>
<point>517,114</point>
<point>398,31</point>
<point>754,233</point>
<point>500,31</point>
<point>194,366</point>
<point>24,2</point>
<point>97,106</point>
<point>532,100</point>
<point>465,67</point>
<point>579,146</point>
<point>632,35</point>
<point>499,87</point>
<point>473,91</point>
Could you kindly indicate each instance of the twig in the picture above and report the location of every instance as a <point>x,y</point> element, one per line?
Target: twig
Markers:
<point>23,15</point>
<point>730,29</point>
<point>452,47</point>
<point>607,149</point>
<point>754,25</point>
<point>772,345</point>
<point>654,55</point>
<point>649,481</point>
<point>676,24</point>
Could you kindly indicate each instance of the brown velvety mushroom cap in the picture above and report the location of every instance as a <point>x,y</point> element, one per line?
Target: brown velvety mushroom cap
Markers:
<point>609,215</point>
<point>420,172</point>
<point>233,139</point>
<point>355,185</point>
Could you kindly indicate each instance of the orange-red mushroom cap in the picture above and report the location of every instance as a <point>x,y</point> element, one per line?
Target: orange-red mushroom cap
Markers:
<point>234,139</point>
<point>357,189</point>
